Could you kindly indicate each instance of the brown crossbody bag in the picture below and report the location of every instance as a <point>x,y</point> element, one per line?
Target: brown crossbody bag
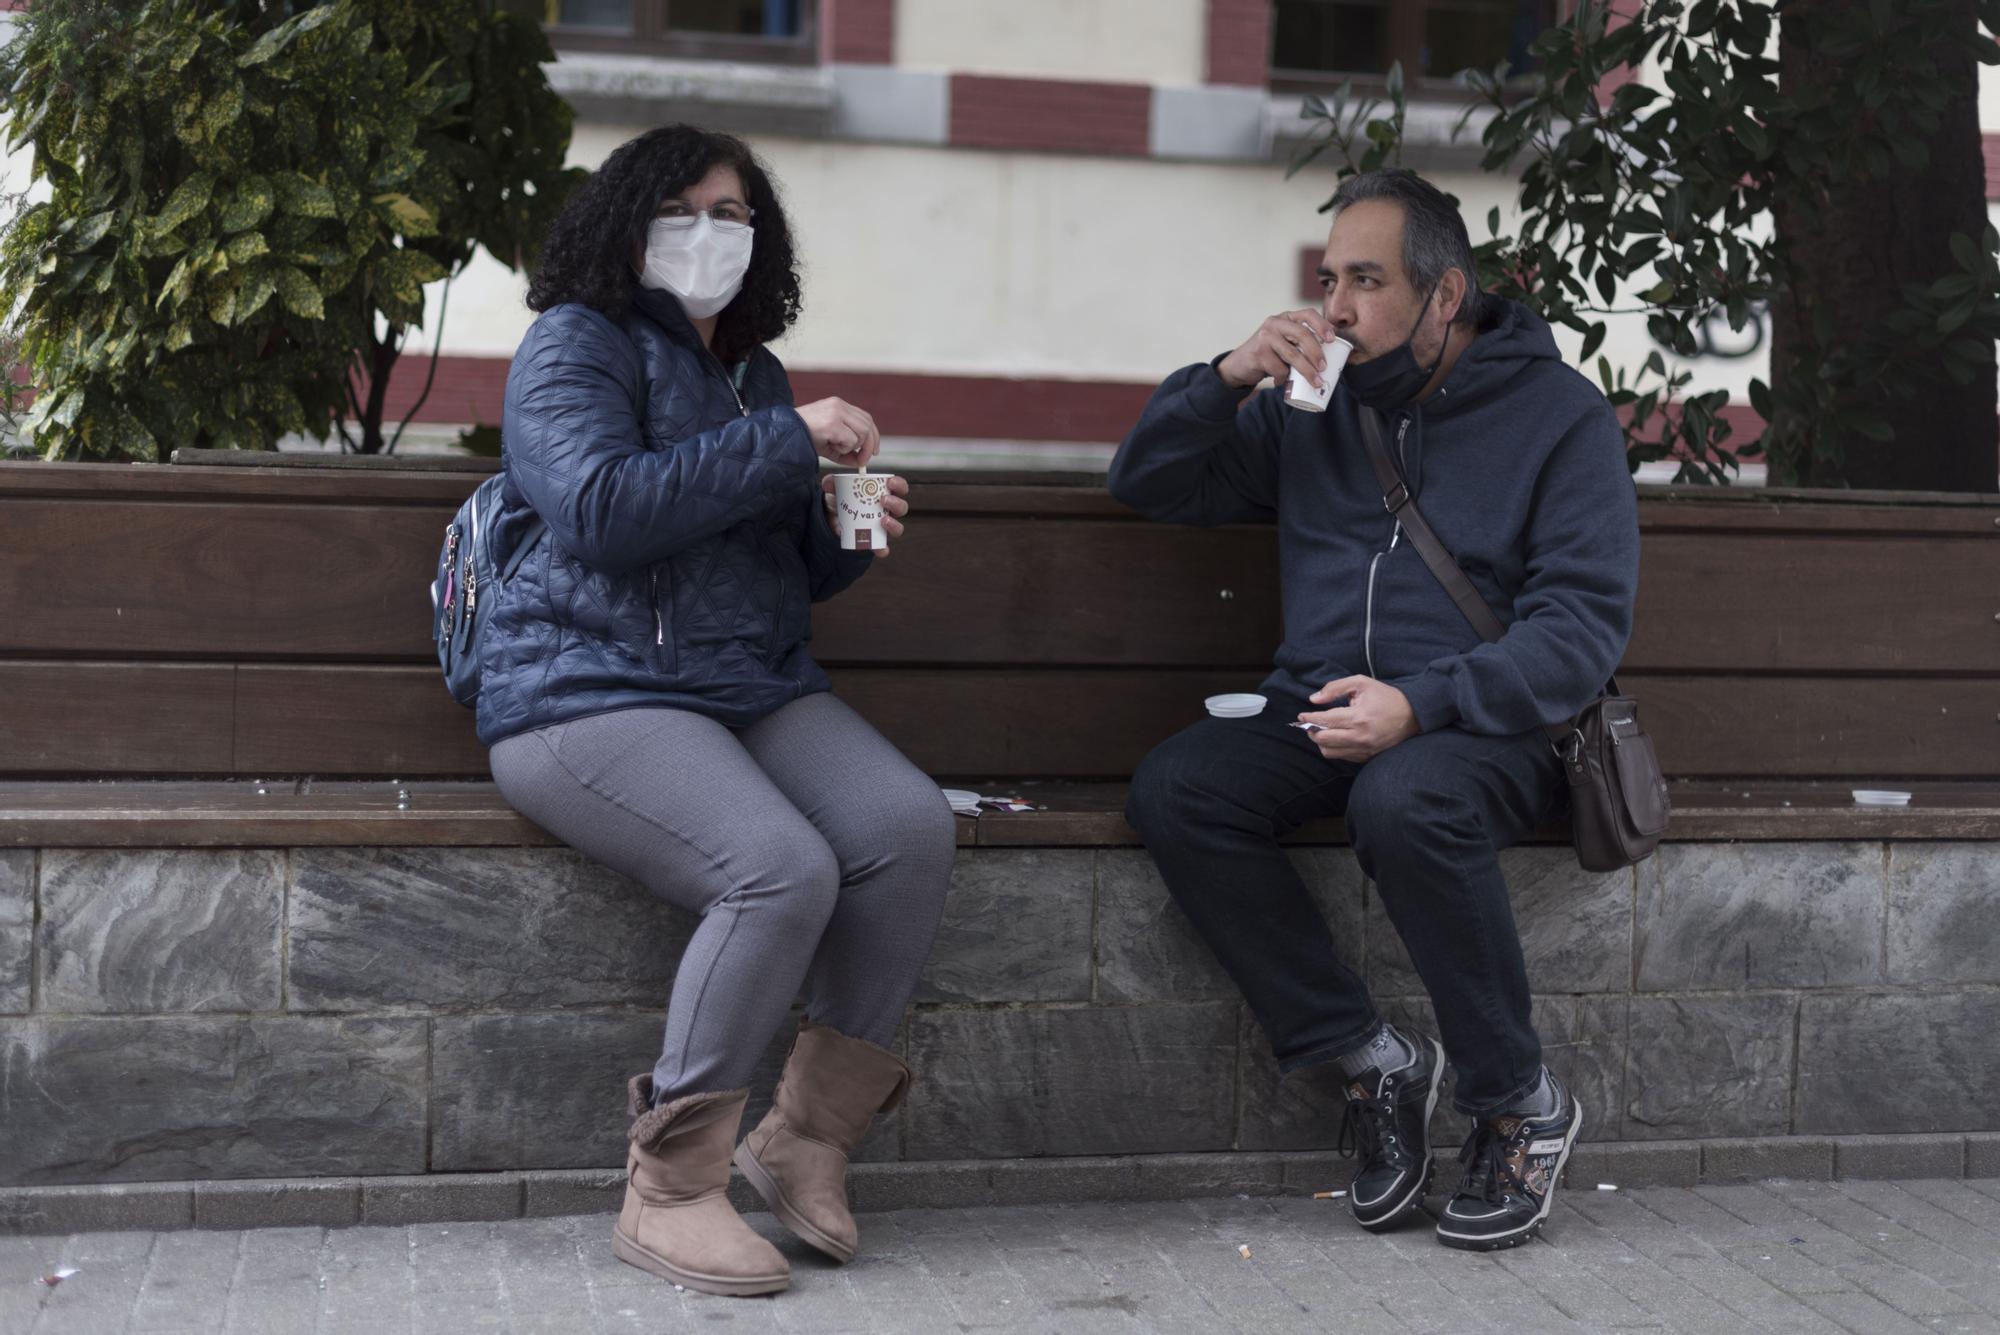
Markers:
<point>1617,795</point>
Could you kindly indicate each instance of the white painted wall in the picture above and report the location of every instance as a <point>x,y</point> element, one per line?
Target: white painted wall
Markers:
<point>1132,41</point>
<point>985,263</point>
<point>948,261</point>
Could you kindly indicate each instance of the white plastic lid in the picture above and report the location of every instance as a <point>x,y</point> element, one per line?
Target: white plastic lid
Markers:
<point>1235,706</point>
<point>1880,797</point>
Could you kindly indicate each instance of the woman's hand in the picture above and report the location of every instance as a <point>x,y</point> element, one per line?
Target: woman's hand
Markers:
<point>894,507</point>
<point>841,432</point>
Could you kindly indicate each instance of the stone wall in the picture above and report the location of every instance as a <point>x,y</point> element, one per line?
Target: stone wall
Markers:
<point>236,1013</point>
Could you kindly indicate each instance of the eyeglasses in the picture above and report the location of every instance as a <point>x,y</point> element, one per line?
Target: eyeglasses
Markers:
<point>728,217</point>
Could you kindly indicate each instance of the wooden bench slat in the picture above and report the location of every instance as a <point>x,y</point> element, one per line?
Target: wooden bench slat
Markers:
<point>268,719</point>
<point>116,718</point>
<point>219,579</point>
<point>1818,727</point>
<point>193,815</point>
<point>116,578</point>
<point>1746,603</point>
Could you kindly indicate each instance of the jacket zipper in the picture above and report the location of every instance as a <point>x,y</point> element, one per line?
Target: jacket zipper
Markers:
<point>1368,619</point>
<point>659,621</point>
<point>771,645</point>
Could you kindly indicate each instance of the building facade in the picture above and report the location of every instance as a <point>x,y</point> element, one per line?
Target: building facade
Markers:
<point>1015,218</point>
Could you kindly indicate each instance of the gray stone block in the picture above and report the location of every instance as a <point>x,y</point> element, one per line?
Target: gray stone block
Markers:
<point>535,1091</point>
<point>438,1198</point>
<point>1754,1159</point>
<point>17,928</point>
<point>1890,1064</point>
<point>1185,1176</point>
<point>137,1207</point>
<point>1016,928</point>
<point>1584,1041</point>
<point>1884,1158</point>
<point>1131,1080</point>
<point>1208,123</point>
<point>1311,1172</point>
<point>554,1195</point>
<point>186,1097</point>
<point>1575,927</point>
<point>1300,1111</point>
<point>950,1184</point>
<point>160,930</point>
<point>1080,1178</point>
<point>1633,1164</point>
<point>502,928</point>
<point>1148,951</point>
<point>1146,948</point>
<point>1729,916</point>
<point>237,1205</point>
<point>1702,1066</point>
<point>1941,899</point>
<point>1982,1154</point>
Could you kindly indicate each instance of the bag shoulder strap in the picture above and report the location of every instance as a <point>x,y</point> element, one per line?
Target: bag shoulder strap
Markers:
<point>1396,499</point>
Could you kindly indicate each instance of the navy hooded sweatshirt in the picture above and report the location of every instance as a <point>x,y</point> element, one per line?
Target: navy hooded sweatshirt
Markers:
<point>1517,462</point>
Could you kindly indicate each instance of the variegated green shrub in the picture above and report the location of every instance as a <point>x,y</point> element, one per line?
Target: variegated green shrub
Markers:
<point>246,199</point>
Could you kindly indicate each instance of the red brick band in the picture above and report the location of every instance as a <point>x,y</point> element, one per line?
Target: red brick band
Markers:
<point>1052,115</point>
<point>1239,42</point>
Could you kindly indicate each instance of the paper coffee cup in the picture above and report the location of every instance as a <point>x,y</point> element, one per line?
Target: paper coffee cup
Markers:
<point>857,505</point>
<point>1300,392</point>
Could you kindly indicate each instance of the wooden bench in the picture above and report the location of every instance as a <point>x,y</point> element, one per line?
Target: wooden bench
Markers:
<point>223,735</point>
<point>199,621</point>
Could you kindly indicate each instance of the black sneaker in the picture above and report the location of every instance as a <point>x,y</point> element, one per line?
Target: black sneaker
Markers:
<point>1388,1123</point>
<point>1513,1165</point>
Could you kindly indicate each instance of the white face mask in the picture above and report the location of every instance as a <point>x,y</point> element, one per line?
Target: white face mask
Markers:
<point>701,264</point>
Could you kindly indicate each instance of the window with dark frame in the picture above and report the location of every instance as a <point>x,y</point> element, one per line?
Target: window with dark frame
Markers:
<point>1437,41</point>
<point>765,31</point>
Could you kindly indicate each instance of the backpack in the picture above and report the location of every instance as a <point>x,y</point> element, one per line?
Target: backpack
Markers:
<point>482,550</point>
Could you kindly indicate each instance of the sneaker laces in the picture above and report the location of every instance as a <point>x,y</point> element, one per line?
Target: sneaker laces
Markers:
<point>1488,1175</point>
<point>1369,1124</point>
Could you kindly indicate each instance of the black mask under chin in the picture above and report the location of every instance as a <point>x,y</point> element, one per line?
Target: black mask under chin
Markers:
<point>1394,378</point>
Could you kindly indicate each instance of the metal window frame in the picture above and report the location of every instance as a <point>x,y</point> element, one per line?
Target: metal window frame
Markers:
<point>1376,84</point>
<point>651,34</point>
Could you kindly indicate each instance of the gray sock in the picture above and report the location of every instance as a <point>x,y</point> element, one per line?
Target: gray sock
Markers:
<point>1385,1050</point>
<point>1544,1100</point>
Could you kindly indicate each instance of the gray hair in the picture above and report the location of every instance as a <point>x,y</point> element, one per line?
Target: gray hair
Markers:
<point>1434,237</point>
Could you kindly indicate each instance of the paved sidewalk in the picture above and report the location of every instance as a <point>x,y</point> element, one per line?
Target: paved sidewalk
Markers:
<point>1875,1258</point>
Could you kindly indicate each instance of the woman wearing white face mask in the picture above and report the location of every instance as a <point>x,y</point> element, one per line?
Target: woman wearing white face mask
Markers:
<point>648,698</point>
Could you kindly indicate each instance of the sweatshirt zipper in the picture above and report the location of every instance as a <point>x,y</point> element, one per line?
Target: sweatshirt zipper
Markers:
<point>1368,618</point>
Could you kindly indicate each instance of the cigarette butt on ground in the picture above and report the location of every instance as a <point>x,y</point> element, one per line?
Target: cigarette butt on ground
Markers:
<point>1244,1251</point>
<point>1328,1195</point>
<point>1606,1186</point>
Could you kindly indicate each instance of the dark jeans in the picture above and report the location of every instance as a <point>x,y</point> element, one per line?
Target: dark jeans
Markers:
<point>1427,819</point>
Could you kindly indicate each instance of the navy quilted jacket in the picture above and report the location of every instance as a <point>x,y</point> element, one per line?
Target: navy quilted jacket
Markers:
<point>688,542</point>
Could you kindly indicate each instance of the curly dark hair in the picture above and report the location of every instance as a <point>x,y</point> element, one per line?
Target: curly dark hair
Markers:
<point>587,255</point>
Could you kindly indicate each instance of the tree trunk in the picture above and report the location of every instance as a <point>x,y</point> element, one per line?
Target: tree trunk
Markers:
<point>381,360</point>
<point>1849,251</point>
